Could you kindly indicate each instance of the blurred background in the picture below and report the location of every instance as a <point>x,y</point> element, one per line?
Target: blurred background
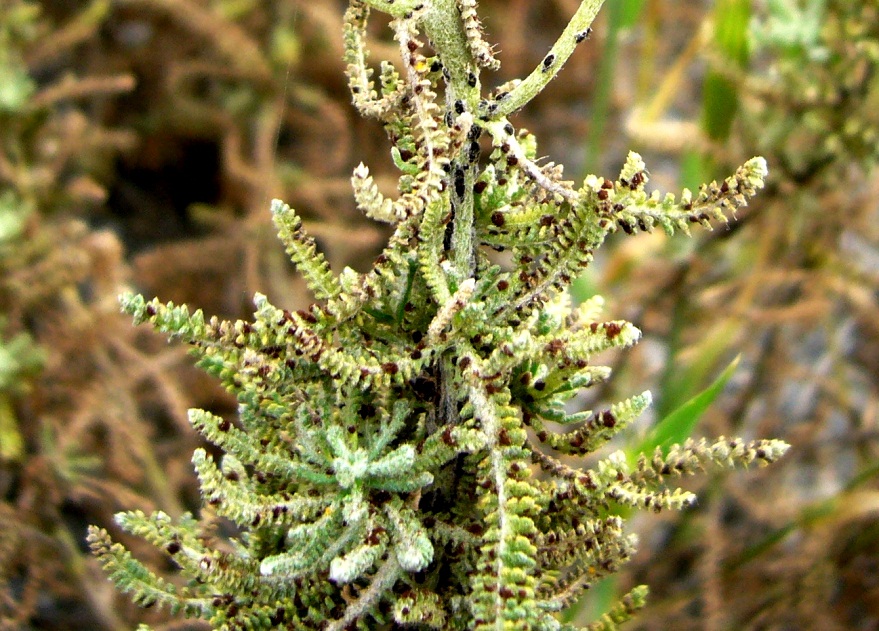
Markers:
<point>142,140</point>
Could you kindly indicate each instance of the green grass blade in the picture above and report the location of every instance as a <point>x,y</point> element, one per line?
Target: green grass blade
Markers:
<point>681,423</point>
<point>628,12</point>
<point>720,93</point>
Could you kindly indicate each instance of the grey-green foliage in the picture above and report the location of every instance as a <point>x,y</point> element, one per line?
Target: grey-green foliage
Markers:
<point>16,86</point>
<point>392,462</point>
<point>20,358</point>
<point>818,103</point>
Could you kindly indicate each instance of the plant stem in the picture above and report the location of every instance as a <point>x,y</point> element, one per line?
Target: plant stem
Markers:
<point>443,25</point>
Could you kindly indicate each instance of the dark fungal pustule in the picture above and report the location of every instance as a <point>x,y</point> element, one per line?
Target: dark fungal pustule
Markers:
<point>582,36</point>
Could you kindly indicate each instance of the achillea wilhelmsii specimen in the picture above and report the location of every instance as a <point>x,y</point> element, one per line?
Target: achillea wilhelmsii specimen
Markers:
<point>381,472</point>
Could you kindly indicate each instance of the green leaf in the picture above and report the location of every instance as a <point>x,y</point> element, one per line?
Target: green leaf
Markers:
<point>693,170</point>
<point>720,99</point>
<point>596,602</point>
<point>681,380</point>
<point>628,12</point>
<point>720,93</point>
<point>583,288</point>
<point>731,19</point>
<point>680,424</point>
<point>16,88</point>
<point>11,441</point>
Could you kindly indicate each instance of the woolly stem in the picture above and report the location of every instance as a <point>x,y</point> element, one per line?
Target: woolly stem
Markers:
<point>442,23</point>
